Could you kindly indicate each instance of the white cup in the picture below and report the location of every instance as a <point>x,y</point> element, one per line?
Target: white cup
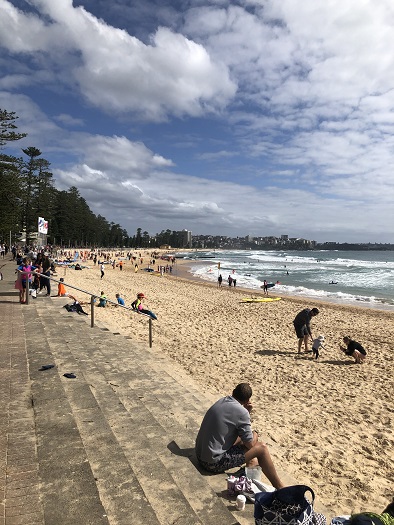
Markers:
<point>240,502</point>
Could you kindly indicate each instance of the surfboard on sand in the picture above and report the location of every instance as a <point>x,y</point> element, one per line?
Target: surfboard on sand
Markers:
<point>259,299</point>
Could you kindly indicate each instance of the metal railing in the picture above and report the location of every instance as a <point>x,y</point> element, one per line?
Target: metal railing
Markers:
<point>92,299</point>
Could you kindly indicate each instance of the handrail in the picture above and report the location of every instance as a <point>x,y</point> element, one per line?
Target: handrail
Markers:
<point>92,297</point>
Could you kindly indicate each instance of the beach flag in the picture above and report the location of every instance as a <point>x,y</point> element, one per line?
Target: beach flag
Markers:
<point>42,225</point>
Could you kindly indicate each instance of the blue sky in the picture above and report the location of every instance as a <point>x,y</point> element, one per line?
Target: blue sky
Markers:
<point>260,117</point>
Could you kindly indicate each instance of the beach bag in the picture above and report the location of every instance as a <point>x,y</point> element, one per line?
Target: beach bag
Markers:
<point>287,506</point>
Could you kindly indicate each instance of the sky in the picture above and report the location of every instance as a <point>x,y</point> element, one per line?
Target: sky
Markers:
<point>249,117</point>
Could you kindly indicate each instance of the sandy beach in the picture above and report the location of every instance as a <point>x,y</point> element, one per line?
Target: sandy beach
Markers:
<point>331,420</point>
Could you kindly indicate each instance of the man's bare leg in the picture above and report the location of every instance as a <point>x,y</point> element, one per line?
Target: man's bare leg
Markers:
<point>261,453</point>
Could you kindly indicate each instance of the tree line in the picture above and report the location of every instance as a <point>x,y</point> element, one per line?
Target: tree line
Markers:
<point>27,192</point>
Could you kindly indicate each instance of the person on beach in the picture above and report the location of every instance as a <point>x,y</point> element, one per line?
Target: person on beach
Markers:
<point>303,328</point>
<point>229,280</point>
<point>20,284</point>
<point>137,305</point>
<point>226,440</point>
<point>220,280</point>
<point>76,306</point>
<point>265,287</point>
<point>119,299</point>
<point>102,270</point>
<point>316,345</point>
<point>102,300</point>
<point>354,349</point>
<point>62,292</point>
<point>45,272</point>
<point>36,277</point>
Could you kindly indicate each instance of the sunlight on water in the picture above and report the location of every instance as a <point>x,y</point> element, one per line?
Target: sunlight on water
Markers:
<point>362,278</point>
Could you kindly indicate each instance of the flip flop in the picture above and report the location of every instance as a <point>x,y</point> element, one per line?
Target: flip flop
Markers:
<point>70,375</point>
<point>46,367</point>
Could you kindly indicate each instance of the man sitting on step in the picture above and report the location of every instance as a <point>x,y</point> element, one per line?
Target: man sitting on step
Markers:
<point>225,439</point>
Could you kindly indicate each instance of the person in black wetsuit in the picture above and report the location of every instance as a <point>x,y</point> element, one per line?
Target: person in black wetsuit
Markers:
<point>354,349</point>
<point>302,326</point>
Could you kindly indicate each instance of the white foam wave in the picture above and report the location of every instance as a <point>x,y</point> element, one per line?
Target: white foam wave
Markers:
<point>211,272</point>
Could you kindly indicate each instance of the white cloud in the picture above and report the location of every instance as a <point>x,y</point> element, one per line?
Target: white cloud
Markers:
<point>114,70</point>
<point>160,199</point>
<point>42,132</point>
<point>304,92</point>
<point>68,120</point>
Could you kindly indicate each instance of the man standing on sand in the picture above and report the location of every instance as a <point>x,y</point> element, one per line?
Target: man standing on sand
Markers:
<point>302,326</point>
<point>225,439</point>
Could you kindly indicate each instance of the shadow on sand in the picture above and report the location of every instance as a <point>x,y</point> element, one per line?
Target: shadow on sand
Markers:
<point>304,357</point>
<point>274,352</point>
<point>337,362</point>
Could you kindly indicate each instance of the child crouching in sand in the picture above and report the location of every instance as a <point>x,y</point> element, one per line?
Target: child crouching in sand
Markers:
<point>354,349</point>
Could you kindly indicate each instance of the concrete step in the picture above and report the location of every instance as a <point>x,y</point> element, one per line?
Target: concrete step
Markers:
<point>121,417</point>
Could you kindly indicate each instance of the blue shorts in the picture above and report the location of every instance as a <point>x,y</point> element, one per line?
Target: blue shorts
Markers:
<point>233,457</point>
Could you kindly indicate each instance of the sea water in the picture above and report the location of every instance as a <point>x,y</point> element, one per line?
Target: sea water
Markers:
<point>361,277</point>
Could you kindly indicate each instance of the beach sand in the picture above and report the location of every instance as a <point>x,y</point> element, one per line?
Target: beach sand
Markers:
<point>331,420</point>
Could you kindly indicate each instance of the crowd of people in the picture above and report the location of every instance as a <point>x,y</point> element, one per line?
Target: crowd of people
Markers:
<point>37,273</point>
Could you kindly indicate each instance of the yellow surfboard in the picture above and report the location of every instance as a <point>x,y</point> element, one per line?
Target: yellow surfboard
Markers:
<point>260,300</point>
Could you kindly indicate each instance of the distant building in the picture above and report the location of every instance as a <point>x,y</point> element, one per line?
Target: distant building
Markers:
<point>186,238</point>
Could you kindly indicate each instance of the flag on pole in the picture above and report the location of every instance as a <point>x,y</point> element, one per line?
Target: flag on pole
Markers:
<point>42,225</point>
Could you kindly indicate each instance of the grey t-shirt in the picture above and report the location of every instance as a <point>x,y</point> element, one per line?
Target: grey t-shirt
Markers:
<point>224,422</point>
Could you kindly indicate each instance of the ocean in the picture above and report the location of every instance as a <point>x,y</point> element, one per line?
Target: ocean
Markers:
<point>362,278</point>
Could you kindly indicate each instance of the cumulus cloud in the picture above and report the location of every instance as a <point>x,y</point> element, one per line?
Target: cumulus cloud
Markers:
<point>300,96</point>
<point>115,71</point>
<point>158,199</point>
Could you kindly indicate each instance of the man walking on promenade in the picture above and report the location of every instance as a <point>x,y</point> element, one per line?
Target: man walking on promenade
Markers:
<point>226,440</point>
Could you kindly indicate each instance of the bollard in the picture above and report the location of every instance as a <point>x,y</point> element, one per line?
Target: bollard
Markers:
<point>91,311</point>
<point>150,333</point>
